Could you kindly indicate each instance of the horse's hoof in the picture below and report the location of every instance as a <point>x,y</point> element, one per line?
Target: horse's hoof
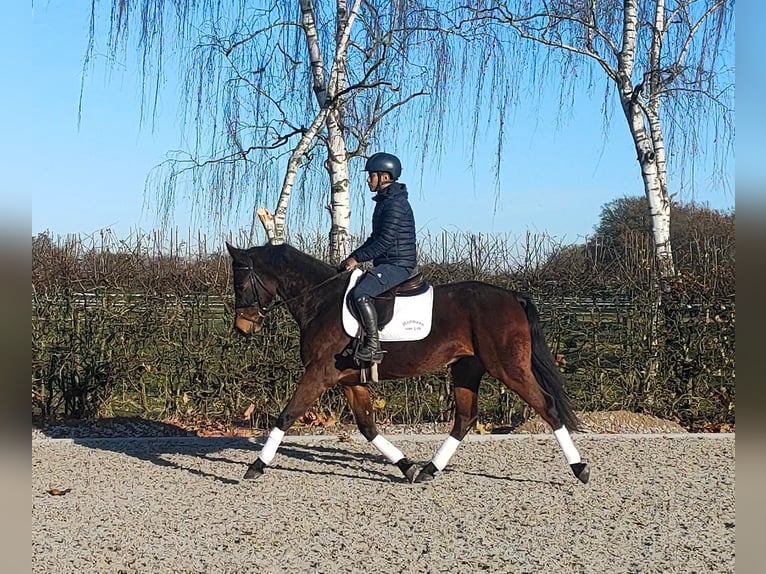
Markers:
<point>581,471</point>
<point>427,474</point>
<point>255,470</point>
<point>408,468</point>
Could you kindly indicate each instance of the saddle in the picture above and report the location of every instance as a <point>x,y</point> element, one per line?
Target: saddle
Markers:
<point>384,303</point>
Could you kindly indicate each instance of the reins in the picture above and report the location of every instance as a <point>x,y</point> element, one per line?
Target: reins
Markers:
<point>262,312</point>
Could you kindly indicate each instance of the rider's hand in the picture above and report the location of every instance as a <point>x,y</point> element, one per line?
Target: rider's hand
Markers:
<point>347,264</point>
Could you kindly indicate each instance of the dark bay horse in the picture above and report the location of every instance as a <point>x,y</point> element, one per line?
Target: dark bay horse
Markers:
<point>477,328</point>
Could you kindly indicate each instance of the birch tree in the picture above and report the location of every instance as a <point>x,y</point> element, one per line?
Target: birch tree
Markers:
<point>269,90</point>
<point>327,91</point>
<point>350,110</point>
<point>665,60</point>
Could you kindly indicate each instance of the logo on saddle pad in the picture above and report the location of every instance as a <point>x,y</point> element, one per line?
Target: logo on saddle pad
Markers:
<point>411,320</point>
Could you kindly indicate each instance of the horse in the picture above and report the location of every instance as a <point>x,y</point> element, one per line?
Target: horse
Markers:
<point>477,328</point>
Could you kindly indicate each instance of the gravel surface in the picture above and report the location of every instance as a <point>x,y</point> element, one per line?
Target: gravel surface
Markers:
<point>506,504</point>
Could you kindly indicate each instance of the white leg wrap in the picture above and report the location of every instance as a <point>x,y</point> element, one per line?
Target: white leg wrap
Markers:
<point>443,455</point>
<point>388,450</point>
<point>269,450</point>
<point>566,444</point>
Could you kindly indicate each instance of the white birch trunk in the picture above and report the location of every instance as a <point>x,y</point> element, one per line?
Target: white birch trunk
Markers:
<point>655,186</point>
<point>337,160</point>
<point>653,107</point>
<point>337,157</point>
<point>308,22</point>
<point>340,200</point>
<point>652,171</point>
<point>660,204</point>
<point>275,228</point>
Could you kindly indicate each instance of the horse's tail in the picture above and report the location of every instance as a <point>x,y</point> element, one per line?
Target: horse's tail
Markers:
<point>544,367</point>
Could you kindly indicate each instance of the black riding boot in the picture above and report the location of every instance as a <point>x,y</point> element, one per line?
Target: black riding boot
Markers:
<point>370,351</point>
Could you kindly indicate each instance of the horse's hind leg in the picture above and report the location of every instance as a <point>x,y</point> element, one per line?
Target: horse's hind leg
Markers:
<point>466,376</point>
<point>523,383</point>
<point>358,397</point>
<point>534,375</point>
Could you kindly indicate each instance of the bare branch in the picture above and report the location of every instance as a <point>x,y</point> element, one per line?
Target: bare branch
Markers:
<point>525,27</point>
<point>253,35</point>
<point>364,137</point>
<point>694,29</point>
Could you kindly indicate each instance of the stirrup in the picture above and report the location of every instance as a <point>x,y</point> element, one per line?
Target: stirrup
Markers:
<point>364,354</point>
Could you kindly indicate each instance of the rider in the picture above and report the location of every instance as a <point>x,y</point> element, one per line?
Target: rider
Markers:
<point>391,246</point>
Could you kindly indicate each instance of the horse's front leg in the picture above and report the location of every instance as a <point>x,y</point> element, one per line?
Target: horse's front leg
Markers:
<point>466,375</point>
<point>358,397</point>
<point>311,386</point>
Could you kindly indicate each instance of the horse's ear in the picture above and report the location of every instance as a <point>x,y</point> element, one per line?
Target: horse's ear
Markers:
<point>232,250</point>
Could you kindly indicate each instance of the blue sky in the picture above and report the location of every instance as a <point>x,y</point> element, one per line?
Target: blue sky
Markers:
<point>554,180</point>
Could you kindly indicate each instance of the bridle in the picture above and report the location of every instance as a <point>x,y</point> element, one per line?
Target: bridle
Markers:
<point>255,281</point>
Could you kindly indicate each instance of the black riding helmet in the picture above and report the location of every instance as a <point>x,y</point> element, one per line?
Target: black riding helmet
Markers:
<point>384,162</point>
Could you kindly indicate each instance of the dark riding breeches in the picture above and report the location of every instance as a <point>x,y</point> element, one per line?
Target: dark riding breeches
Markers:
<point>378,280</point>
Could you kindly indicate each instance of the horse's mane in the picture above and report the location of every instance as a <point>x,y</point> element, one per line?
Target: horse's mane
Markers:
<point>286,256</point>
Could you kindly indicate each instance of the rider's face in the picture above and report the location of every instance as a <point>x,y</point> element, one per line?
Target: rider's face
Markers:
<point>377,181</point>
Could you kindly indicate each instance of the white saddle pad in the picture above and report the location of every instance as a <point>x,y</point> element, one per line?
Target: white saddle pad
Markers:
<point>411,320</point>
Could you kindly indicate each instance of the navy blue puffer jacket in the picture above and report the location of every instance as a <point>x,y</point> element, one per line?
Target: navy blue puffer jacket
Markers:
<point>393,230</point>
